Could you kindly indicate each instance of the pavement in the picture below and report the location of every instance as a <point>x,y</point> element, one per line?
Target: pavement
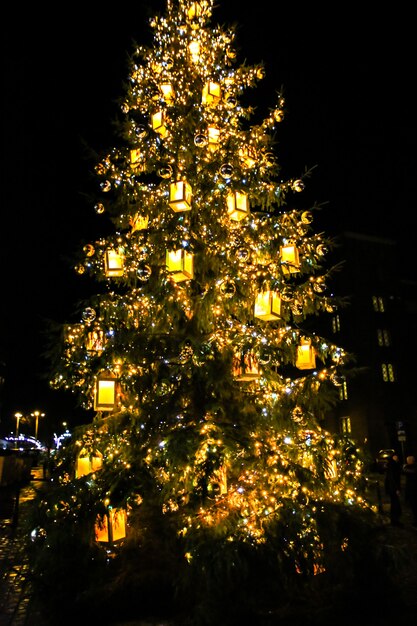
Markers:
<point>17,607</point>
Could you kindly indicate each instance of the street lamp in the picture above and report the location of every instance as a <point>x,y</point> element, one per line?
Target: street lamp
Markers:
<point>37,415</point>
<point>18,417</point>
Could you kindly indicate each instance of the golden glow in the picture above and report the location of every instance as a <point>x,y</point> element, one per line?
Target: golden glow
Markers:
<point>306,355</point>
<point>180,264</point>
<point>237,206</point>
<point>290,258</point>
<point>105,394</point>
<point>211,93</point>
<point>180,196</point>
<point>113,263</point>
<point>158,123</point>
<point>268,306</point>
<point>111,527</point>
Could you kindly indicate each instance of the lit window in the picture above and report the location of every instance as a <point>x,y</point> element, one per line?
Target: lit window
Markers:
<point>378,304</point>
<point>384,338</point>
<point>336,324</point>
<point>343,393</point>
<point>388,373</point>
<point>345,425</point>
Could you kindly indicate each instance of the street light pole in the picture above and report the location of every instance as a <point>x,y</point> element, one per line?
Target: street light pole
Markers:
<point>37,415</point>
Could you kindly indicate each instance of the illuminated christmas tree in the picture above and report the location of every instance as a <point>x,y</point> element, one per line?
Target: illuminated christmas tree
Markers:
<point>199,355</point>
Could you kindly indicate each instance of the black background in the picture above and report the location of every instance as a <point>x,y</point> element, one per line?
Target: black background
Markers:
<point>348,76</point>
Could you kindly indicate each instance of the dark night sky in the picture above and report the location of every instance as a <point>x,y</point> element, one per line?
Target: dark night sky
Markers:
<point>348,78</point>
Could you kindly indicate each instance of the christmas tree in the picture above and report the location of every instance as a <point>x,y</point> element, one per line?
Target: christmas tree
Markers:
<point>206,469</point>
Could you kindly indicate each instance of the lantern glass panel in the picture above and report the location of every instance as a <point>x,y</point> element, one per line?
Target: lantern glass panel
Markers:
<point>211,93</point>
<point>246,366</point>
<point>237,206</point>
<point>105,394</point>
<point>213,137</point>
<point>306,356</point>
<point>167,92</point>
<point>290,259</point>
<point>113,263</point>
<point>180,196</point>
<point>111,527</point>
<point>268,306</point>
<point>180,264</point>
<point>158,123</point>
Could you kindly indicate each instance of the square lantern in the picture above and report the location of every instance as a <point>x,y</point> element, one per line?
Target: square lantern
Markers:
<point>158,123</point>
<point>180,264</point>
<point>111,527</point>
<point>167,92</point>
<point>95,340</point>
<point>237,206</point>
<point>180,196</point>
<point>290,259</point>
<point>138,222</point>
<point>136,159</point>
<point>105,394</point>
<point>306,356</point>
<point>213,135</point>
<point>87,464</point>
<point>268,306</point>
<point>248,156</point>
<point>194,49</point>
<point>246,366</point>
<point>113,263</point>
<point>211,93</point>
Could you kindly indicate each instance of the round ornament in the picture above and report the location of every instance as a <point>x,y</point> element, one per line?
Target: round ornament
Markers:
<point>89,249</point>
<point>89,315</point>
<point>99,208</point>
<point>144,272</point>
<point>243,254</point>
<point>200,140</point>
<point>298,185</point>
<point>228,288</point>
<point>165,171</point>
<point>226,170</point>
<point>105,186</point>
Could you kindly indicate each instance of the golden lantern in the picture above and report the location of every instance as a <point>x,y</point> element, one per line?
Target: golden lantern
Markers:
<point>167,92</point>
<point>158,123</point>
<point>110,527</point>
<point>138,222</point>
<point>289,258</point>
<point>306,355</point>
<point>248,156</point>
<point>211,93</point>
<point>105,394</point>
<point>113,263</point>
<point>180,264</point>
<point>194,49</point>
<point>268,306</point>
<point>237,206</point>
<point>95,340</point>
<point>136,159</point>
<point>87,464</point>
<point>180,195</point>
<point>246,366</point>
<point>195,10</point>
<point>213,135</point>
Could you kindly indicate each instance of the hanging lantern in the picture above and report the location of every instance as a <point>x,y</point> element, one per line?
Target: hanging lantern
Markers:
<point>248,156</point>
<point>246,366</point>
<point>306,355</point>
<point>289,258</point>
<point>138,222</point>
<point>237,206</point>
<point>213,135</point>
<point>195,10</point>
<point>95,341</point>
<point>105,394</point>
<point>268,306</point>
<point>136,160</point>
<point>111,527</point>
<point>167,92</point>
<point>180,264</point>
<point>211,93</point>
<point>113,263</point>
<point>87,464</point>
<point>194,48</point>
<point>180,196</point>
<point>158,123</point>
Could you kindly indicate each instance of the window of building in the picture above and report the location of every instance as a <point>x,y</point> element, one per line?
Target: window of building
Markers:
<point>346,425</point>
<point>384,338</point>
<point>388,375</point>
<point>343,394</point>
<point>378,304</point>
<point>336,324</point>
